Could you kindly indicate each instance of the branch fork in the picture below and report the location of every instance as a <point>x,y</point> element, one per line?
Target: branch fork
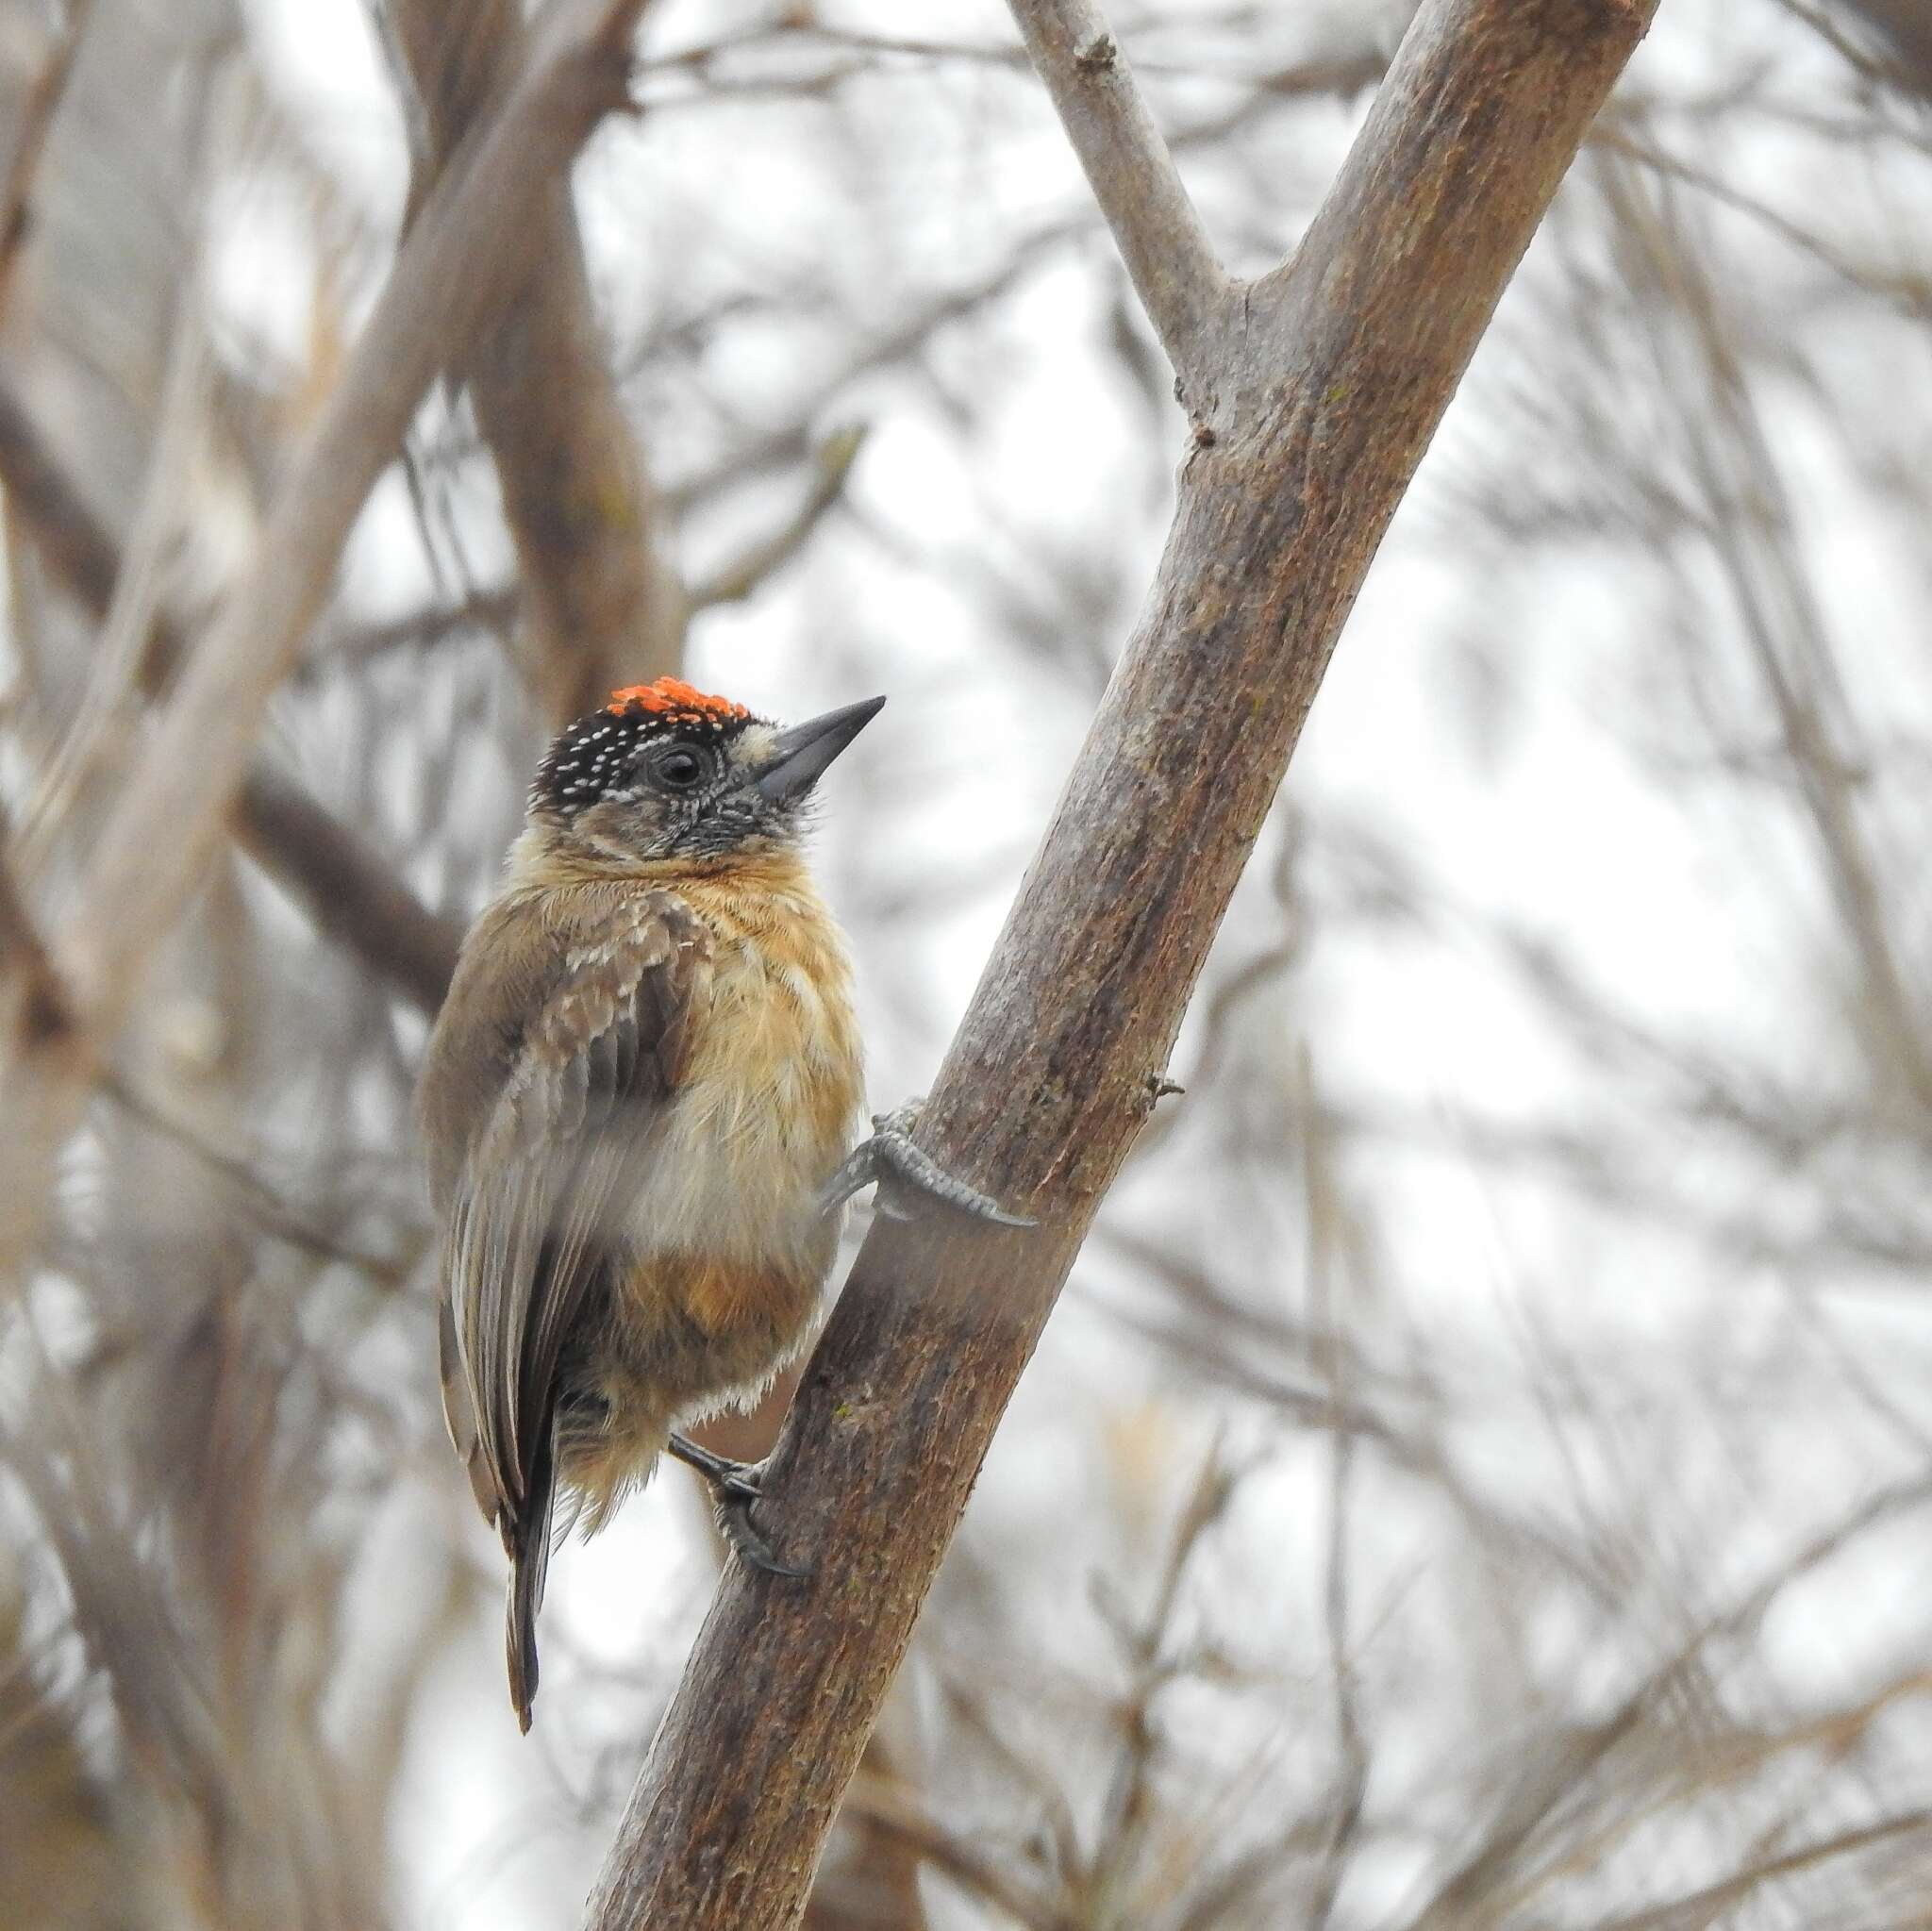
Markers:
<point>1325,382</point>
<point>1188,296</point>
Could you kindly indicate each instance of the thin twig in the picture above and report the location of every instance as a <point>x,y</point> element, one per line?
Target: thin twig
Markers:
<point>120,656</point>
<point>975,1871</point>
<point>494,608</point>
<point>1481,1878</point>
<point>1182,285</point>
<point>1107,1884</point>
<point>1325,1212</point>
<point>279,1218</point>
<point>1705,1905</point>
<point>734,581</point>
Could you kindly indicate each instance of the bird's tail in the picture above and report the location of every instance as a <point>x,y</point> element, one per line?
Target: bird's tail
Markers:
<point>528,1543</point>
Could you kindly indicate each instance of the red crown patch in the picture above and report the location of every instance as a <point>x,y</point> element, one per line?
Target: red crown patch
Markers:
<point>672,697</point>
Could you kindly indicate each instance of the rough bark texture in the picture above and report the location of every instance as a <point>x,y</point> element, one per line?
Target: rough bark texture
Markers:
<point>1335,371</point>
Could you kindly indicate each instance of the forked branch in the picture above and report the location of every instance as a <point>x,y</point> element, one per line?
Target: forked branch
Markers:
<point>1326,398</point>
<point>1180,280</point>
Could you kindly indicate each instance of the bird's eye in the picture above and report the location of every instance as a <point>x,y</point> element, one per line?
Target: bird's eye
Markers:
<point>680,770</point>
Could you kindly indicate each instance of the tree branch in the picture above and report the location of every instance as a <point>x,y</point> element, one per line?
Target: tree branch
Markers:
<point>35,122</point>
<point>759,559</point>
<point>602,605</point>
<point>1326,403</point>
<point>1182,285</point>
<point>466,254</point>
<point>351,896</point>
<point>38,1032</point>
<point>43,1005</point>
<point>463,259</point>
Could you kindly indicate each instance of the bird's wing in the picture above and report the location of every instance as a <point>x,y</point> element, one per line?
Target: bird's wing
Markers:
<point>539,1203</point>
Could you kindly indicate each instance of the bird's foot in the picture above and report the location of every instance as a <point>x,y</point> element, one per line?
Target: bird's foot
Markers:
<point>734,1488</point>
<point>890,1153</point>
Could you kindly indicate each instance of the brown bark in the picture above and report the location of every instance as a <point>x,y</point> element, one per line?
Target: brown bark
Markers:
<point>602,606</point>
<point>601,603</point>
<point>1329,378</point>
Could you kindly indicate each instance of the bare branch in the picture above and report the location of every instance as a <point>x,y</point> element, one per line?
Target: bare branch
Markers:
<point>44,1008</point>
<point>1907,29</point>
<point>889,1810</point>
<point>1182,285</point>
<point>602,605</point>
<point>1323,413</point>
<point>269,1211</point>
<point>494,608</point>
<point>739,578</point>
<point>1703,1906</point>
<point>353,896</point>
<point>462,259</point>
<point>35,122</point>
<point>465,255</point>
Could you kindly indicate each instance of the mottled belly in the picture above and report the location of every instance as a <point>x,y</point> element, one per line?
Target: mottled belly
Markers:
<point>692,1334</point>
<point>678,1338</point>
<point>768,1107</point>
<point>728,1251</point>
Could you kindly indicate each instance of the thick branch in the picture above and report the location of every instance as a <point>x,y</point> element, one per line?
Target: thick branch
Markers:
<point>1054,1067</point>
<point>1181,284</point>
<point>351,895</point>
<point>602,605</point>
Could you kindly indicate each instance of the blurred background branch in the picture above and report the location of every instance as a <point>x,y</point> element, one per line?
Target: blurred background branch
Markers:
<point>601,606</point>
<point>352,897</point>
<point>1538,1250</point>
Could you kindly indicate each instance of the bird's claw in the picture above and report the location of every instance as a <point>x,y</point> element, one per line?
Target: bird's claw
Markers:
<point>734,1519</point>
<point>891,1153</point>
<point>734,1488</point>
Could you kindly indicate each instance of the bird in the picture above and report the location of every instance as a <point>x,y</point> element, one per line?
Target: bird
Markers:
<point>641,1106</point>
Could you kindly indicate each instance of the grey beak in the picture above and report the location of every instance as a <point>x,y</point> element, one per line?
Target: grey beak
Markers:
<point>801,755</point>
